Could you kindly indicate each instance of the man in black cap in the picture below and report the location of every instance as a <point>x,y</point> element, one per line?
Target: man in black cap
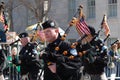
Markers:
<point>58,63</point>
<point>94,55</point>
<point>27,58</point>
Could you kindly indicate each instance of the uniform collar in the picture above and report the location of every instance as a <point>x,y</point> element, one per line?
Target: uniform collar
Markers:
<point>56,42</point>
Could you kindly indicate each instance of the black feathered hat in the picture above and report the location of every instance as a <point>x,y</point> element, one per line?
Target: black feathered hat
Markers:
<point>92,30</point>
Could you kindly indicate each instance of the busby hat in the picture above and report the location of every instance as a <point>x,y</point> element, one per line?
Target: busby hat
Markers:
<point>49,24</point>
<point>23,35</point>
<point>92,30</point>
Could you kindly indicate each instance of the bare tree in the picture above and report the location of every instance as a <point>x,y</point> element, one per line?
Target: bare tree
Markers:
<point>9,7</point>
<point>37,8</point>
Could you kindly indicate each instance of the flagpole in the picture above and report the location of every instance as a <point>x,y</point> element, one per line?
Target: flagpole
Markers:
<point>70,24</point>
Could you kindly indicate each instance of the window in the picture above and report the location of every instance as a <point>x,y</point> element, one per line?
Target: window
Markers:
<point>112,8</point>
<point>91,9</point>
<point>71,9</point>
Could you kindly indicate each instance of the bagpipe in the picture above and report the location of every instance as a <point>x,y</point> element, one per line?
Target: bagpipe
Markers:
<point>96,50</point>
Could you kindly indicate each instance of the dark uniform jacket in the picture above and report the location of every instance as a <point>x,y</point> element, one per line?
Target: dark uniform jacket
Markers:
<point>67,69</point>
<point>28,60</point>
<point>95,58</point>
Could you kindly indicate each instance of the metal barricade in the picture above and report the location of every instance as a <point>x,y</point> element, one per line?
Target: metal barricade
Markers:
<point>113,73</point>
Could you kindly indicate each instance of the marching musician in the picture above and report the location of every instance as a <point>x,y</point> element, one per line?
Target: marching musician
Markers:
<point>57,62</point>
<point>93,54</point>
<point>27,58</point>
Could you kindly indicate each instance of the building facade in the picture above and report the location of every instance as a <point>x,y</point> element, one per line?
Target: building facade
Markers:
<point>63,11</point>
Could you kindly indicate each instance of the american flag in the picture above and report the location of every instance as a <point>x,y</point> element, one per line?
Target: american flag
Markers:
<point>104,25</point>
<point>82,27</point>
